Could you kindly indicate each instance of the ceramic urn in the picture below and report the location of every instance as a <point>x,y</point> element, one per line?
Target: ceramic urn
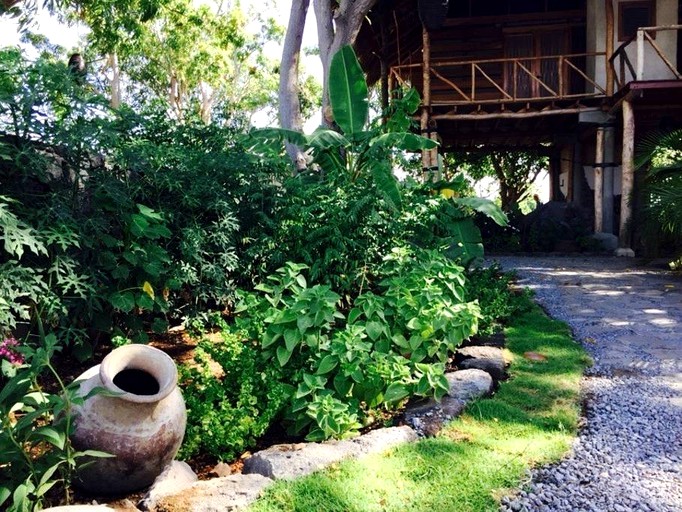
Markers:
<point>140,419</point>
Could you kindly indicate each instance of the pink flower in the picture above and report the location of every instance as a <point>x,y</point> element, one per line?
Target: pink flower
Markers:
<point>8,351</point>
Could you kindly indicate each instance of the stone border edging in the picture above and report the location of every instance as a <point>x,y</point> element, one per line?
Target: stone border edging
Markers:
<point>290,461</point>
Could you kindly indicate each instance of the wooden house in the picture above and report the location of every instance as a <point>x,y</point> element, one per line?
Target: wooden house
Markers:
<point>581,79</point>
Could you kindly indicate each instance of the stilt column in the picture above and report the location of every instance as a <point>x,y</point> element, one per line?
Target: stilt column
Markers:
<point>599,182</point>
<point>628,178</point>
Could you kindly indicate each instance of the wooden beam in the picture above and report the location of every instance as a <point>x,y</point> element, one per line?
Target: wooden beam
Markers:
<point>609,46</point>
<point>628,176</point>
<point>511,115</point>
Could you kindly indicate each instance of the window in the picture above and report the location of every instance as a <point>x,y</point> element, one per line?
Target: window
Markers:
<point>632,15</point>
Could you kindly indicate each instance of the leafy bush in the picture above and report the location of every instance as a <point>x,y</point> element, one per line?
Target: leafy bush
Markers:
<point>227,412</point>
<point>347,368</point>
<point>491,287</point>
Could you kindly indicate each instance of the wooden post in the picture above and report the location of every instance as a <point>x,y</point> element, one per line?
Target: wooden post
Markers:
<point>426,100</point>
<point>628,177</point>
<point>599,182</point>
<point>609,47</point>
<point>640,56</point>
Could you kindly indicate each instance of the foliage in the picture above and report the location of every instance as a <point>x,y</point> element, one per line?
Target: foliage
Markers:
<point>515,171</point>
<point>661,156</point>
<point>356,153</point>
<point>35,450</point>
<point>532,419</point>
<point>115,223</point>
<point>498,302</point>
<point>227,412</point>
<point>390,345</point>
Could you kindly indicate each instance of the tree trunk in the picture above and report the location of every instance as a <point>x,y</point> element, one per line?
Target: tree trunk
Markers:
<point>206,102</point>
<point>289,104</point>
<point>115,81</point>
<point>336,28</point>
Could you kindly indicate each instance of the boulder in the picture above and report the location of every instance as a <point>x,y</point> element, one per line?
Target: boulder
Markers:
<point>468,384</point>
<point>177,477</point>
<point>289,461</point>
<point>488,359</point>
<point>226,494</point>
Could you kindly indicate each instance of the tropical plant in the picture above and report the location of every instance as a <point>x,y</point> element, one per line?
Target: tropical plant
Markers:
<point>661,156</point>
<point>357,151</point>
<point>36,453</point>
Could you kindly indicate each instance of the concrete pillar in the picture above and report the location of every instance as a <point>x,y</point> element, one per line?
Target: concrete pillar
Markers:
<point>628,166</point>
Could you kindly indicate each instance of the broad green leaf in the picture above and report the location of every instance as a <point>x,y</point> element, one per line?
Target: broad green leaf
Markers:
<point>468,245</point>
<point>348,91</point>
<point>280,135</point>
<point>15,389</point>
<point>374,330</point>
<point>485,206</point>
<point>292,337</point>
<point>283,355</point>
<point>4,494</point>
<point>125,301</point>
<point>327,364</point>
<point>396,392</point>
<point>327,139</point>
<point>403,141</point>
<point>51,435</point>
<point>94,453</point>
<point>387,184</point>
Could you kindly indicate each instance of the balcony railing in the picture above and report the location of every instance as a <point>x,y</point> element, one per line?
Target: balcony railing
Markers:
<point>509,80</point>
<point>623,69</point>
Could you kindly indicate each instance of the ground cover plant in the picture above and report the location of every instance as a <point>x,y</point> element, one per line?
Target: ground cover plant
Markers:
<point>478,457</point>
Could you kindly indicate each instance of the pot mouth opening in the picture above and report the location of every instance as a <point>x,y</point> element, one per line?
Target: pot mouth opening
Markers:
<point>139,373</point>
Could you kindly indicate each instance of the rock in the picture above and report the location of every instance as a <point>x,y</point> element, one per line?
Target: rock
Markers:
<point>624,252</point>
<point>226,494</point>
<point>488,359</point>
<point>381,440</point>
<point>177,477</point>
<point>608,241</point>
<point>221,469</point>
<point>289,461</point>
<point>471,383</point>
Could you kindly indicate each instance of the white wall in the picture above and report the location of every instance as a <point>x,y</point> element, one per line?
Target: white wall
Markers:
<point>654,67</point>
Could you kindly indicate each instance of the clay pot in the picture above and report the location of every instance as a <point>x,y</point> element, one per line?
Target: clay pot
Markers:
<point>142,426</point>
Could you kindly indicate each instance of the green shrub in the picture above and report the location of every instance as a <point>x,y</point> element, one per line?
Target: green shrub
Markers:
<point>491,287</point>
<point>228,412</point>
<point>349,368</point>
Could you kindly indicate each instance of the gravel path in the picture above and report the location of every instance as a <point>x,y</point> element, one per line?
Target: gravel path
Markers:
<point>628,456</point>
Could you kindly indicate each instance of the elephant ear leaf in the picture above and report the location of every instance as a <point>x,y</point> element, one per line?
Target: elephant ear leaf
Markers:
<point>348,91</point>
<point>467,246</point>
<point>486,207</point>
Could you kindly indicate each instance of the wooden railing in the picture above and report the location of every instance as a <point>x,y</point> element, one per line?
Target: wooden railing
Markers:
<point>623,69</point>
<point>496,81</point>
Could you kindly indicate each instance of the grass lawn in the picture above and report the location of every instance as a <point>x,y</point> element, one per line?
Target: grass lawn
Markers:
<point>478,457</point>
